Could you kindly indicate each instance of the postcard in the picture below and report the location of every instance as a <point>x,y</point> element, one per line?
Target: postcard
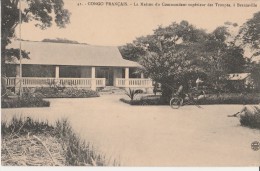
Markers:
<point>130,83</point>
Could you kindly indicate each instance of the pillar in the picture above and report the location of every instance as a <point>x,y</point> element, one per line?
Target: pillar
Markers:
<point>142,75</point>
<point>57,72</point>
<point>126,77</point>
<point>93,78</point>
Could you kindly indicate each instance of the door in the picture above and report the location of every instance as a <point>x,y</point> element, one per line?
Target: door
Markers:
<point>108,74</point>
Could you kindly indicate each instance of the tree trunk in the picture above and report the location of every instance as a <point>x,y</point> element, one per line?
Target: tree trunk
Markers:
<point>3,70</point>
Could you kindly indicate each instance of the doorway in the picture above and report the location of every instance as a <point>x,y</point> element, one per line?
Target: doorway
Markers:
<point>107,73</point>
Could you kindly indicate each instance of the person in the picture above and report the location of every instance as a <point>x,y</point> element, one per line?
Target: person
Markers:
<point>247,109</point>
<point>198,81</point>
<point>156,88</point>
<point>180,93</point>
<point>180,90</point>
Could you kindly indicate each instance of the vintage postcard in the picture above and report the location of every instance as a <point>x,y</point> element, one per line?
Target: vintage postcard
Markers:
<point>143,83</point>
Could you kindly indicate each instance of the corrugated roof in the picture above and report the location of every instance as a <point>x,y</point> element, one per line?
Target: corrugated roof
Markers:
<point>48,53</point>
<point>238,76</point>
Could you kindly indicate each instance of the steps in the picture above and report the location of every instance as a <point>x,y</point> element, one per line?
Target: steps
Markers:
<point>112,90</point>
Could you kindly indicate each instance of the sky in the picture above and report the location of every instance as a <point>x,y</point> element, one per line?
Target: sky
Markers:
<point>115,26</point>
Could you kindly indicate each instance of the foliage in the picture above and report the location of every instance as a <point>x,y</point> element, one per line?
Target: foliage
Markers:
<point>76,152</point>
<point>180,53</point>
<point>251,120</point>
<point>131,52</point>
<point>10,53</point>
<point>231,98</point>
<point>254,69</point>
<point>44,13</point>
<point>132,93</point>
<point>249,34</point>
<point>62,92</point>
<point>146,100</point>
<point>39,11</point>
<point>171,53</point>
<point>21,126</point>
<point>223,98</point>
<point>28,99</point>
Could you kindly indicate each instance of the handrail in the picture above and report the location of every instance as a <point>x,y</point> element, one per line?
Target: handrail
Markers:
<point>134,82</point>
<point>50,81</point>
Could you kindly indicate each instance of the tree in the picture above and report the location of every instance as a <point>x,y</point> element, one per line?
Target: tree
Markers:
<point>249,37</point>
<point>41,11</point>
<point>233,60</point>
<point>180,53</point>
<point>249,34</point>
<point>221,56</point>
<point>173,55</point>
<point>255,74</point>
<point>131,52</point>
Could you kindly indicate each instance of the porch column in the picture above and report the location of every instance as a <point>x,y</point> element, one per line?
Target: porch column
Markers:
<point>57,72</point>
<point>93,80</point>
<point>126,77</point>
<point>142,75</point>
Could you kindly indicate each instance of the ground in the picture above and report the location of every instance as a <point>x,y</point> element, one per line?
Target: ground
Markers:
<point>155,135</point>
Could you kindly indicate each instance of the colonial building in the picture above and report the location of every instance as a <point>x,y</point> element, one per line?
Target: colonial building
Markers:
<point>73,65</point>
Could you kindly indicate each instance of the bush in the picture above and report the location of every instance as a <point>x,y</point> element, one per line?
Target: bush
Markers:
<point>224,98</point>
<point>231,98</point>
<point>147,100</point>
<point>64,145</point>
<point>132,93</point>
<point>52,92</point>
<point>251,120</point>
<point>28,99</point>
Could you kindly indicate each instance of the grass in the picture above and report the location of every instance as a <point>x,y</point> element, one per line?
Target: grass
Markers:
<point>30,142</point>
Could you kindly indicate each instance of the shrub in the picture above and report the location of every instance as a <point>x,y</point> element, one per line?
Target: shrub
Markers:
<point>52,92</point>
<point>147,100</point>
<point>224,98</point>
<point>251,120</point>
<point>231,98</point>
<point>132,93</point>
<point>28,99</point>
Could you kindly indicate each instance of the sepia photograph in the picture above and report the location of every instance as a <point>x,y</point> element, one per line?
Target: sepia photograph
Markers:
<point>130,83</point>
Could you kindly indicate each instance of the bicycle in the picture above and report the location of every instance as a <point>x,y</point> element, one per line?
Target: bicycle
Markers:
<point>176,101</point>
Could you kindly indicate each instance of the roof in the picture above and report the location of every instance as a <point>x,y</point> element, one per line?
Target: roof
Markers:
<point>49,53</point>
<point>237,76</point>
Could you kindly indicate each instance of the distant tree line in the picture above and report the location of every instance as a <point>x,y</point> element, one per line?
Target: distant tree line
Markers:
<point>62,40</point>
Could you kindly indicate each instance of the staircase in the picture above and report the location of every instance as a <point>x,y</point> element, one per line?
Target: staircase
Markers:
<point>111,90</point>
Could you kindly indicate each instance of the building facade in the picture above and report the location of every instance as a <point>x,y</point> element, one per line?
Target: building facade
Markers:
<point>73,65</point>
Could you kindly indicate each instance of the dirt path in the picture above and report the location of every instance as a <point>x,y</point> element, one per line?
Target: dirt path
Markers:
<point>156,135</point>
